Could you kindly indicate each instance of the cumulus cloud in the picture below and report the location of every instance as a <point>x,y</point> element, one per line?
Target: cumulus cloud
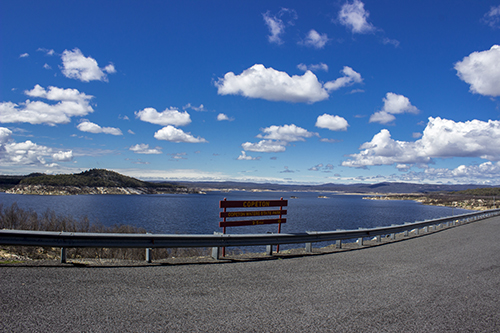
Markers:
<point>355,17</point>
<point>223,116</point>
<point>170,116</point>
<point>393,104</point>
<point>28,153</point>
<point>315,67</point>
<point>170,133</point>
<point>492,18</point>
<point>272,85</point>
<point>288,133</point>
<point>63,156</point>
<point>265,146</point>
<point>350,77</point>
<point>276,25</point>
<point>87,126</point>
<point>481,71</point>
<point>77,66</point>
<point>333,123</point>
<point>71,103</point>
<point>245,157</point>
<point>442,138</point>
<point>24,55</point>
<point>144,149</point>
<point>314,39</point>
<point>276,138</point>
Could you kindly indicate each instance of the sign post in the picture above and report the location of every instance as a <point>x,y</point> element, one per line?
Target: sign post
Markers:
<point>252,216</point>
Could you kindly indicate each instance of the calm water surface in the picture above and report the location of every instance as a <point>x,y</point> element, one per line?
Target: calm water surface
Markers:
<point>199,214</point>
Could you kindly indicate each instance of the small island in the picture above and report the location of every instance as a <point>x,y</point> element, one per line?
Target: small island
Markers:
<point>95,181</point>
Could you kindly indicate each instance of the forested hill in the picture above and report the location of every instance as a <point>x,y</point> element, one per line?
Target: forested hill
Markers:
<point>95,181</point>
<point>91,178</point>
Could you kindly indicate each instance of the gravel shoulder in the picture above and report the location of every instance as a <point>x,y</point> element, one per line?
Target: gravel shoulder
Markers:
<point>447,281</point>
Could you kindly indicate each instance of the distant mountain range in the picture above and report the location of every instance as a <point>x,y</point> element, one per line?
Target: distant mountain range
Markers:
<point>105,178</point>
<point>386,187</point>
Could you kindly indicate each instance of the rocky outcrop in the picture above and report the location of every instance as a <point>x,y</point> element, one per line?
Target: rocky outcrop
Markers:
<point>444,200</point>
<point>76,190</point>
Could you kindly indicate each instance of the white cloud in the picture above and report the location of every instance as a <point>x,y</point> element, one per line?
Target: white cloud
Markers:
<point>178,156</point>
<point>77,66</point>
<point>63,156</point>
<point>87,126</point>
<point>481,71</point>
<point>272,85</point>
<point>350,77</point>
<point>144,149</point>
<point>276,138</point>
<point>315,67</point>
<point>245,157</point>
<point>314,39</point>
<point>492,18</point>
<point>393,42</point>
<point>170,133</point>
<point>442,138</point>
<point>170,116</point>
<point>110,69</point>
<point>276,25</point>
<point>27,153</point>
<point>323,168</point>
<point>71,103</point>
<point>24,55</point>
<point>47,66</point>
<point>46,51</point>
<point>393,104</point>
<point>288,133</point>
<point>333,123</point>
<point>355,17</point>
<point>196,108</point>
<point>222,117</point>
<point>265,146</point>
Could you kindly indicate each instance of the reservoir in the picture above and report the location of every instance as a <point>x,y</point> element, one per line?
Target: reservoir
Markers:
<point>199,213</point>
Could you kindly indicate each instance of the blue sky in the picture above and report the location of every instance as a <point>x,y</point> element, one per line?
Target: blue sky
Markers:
<point>263,91</point>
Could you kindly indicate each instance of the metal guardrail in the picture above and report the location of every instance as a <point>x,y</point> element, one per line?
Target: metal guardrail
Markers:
<point>103,240</point>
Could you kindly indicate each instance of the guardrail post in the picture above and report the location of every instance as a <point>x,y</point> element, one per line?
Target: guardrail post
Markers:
<point>216,253</point>
<point>309,247</point>
<point>393,235</point>
<point>378,239</point>
<point>148,255</point>
<point>63,255</point>
<point>426,229</point>
<point>416,231</point>
<point>216,250</point>
<point>360,240</point>
<point>338,244</point>
<point>269,250</point>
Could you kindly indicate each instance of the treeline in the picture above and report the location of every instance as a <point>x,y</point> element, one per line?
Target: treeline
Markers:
<point>91,178</point>
<point>16,218</point>
<point>486,192</point>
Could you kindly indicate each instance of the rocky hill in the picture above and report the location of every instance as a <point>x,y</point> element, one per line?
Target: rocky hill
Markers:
<point>95,181</point>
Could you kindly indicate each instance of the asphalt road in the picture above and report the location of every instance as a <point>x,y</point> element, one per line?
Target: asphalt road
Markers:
<point>447,281</point>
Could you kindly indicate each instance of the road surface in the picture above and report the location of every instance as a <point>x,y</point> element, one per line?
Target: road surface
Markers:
<point>447,281</point>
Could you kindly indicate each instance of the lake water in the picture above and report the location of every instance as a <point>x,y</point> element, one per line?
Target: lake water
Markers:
<point>199,214</point>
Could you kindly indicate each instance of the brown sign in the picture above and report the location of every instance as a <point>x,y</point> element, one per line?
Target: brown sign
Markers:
<point>250,222</point>
<point>253,203</point>
<point>252,213</point>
